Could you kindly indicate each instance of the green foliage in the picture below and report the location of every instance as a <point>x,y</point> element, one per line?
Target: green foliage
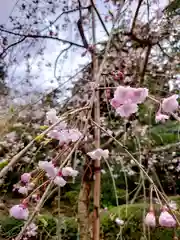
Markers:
<point>68,227</point>
<point>10,227</point>
<point>165,133</point>
<point>173,8</point>
<point>3,164</point>
<point>72,196</point>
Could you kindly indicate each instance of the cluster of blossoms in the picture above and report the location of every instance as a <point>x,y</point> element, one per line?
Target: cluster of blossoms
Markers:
<point>165,219</point>
<point>168,106</point>
<point>60,132</point>
<point>98,154</point>
<point>25,185</point>
<point>31,231</point>
<point>55,174</point>
<point>126,100</point>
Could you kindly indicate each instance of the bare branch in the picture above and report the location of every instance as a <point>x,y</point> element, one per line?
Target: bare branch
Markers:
<point>66,12</point>
<point>145,64</point>
<point>136,15</point>
<point>99,16</point>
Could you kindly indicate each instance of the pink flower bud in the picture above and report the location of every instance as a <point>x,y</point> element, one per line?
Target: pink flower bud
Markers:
<point>170,104</point>
<point>161,117</point>
<point>25,178</point>
<point>19,212</point>
<point>150,219</point>
<point>166,220</point>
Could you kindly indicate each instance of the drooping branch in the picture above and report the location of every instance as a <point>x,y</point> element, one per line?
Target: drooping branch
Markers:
<point>56,61</point>
<point>143,71</point>
<point>36,36</point>
<point>11,45</point>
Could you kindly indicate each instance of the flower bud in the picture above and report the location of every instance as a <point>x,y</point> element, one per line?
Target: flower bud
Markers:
<point>150,219</point>
<point>166,220</point>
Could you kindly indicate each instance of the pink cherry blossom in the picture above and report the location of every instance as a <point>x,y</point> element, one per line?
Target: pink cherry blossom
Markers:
<point>126,95</point>
<point>25,177</point>
<point>150,219</point>
<point>170,104</point>
<point>115,103</point>
<point>68,171</point>
<point>19,212</point>
<point>126,99</point>
<point>123,95</point>
<point>74,135</point>
<point>32,230</point>
<point>98,154</point>
<point>161,117</point>
<point>139,95</point>
<point>51,116</point>
<point>49,168</point>
<point>119,222</point>
<point>23,190</point>
<point>126,110</point>
<point>65,136</point>
<point>59,181</point>
<point>166,220</point>
<point>54,134</point>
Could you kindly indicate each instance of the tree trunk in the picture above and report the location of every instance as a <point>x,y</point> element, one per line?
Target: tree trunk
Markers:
<point>83,211</point>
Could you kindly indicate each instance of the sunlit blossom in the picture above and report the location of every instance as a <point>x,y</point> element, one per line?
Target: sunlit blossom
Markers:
<point>98,154</point>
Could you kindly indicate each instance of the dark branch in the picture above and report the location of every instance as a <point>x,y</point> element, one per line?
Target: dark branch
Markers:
<point>99,16</point>
<point>35,36</point>
<point>60,54</point>
<point>145,64</point>
<point>143,42</point>
<point>136,15</point>
<point>80,27</point>
<point>12,45</point>
<point>65,12</point>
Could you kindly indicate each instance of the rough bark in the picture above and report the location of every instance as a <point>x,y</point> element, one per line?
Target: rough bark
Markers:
<point>83,211</point>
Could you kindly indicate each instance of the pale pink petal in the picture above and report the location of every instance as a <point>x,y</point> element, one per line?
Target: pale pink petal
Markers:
<point>59,181</point>
<point>23,190</point>
<point>115,103</point>
<point>69,171</point>
<point>170,104</point>
<point>49,168</point>
<point>127,109</point>
<point>51,116</point>
<point>161,117</point>
<point>150,219</point>
<point>139,95</point>
<point>166,220</point>
<point>25,177</point>
<point>98,154</point>
<point>19,212</point>
<point>54,134</point>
